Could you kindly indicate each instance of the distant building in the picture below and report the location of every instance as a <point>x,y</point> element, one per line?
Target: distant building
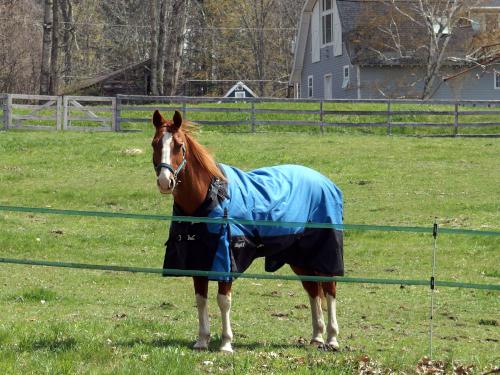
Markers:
<point>335,59</point>
<point>240,90</point>
<point>133,79</point>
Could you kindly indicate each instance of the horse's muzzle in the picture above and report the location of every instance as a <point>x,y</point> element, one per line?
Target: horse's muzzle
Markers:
<point>166,185</point>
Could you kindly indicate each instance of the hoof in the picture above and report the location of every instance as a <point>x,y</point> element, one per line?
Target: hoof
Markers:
<point>317,343</point>
<point>328,348</point>
<point>201,345</point>
<point>227,349</point>
<point>333,344</point>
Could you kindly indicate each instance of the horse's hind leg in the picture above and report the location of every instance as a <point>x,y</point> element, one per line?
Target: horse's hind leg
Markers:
<point>224,302</point>
<point>201,290</point>
<point>332,327</point>
<point>314,291</point>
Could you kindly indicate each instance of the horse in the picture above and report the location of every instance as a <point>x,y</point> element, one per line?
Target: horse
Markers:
<point>203,188</point>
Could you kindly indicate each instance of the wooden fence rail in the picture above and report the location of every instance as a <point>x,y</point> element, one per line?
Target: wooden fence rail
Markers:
<point>90,113</point>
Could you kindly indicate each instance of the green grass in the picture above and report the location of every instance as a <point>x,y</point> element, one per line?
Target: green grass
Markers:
<point>72,321</point>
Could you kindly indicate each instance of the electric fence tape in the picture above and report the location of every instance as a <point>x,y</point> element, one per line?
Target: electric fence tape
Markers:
<point>175,272</point>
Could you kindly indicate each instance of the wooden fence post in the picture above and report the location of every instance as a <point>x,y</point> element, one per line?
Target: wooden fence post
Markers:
<point>7,112</point>
<point>389,117</point>
<point>455,131</point>
<point>4,109</point>
<point>65,112</point>
<point>321,125</point>
<point>113,114</point>
<point>253,116</point>
<point>117,113</point>
<point>59,110</point>
<point>184,110</point>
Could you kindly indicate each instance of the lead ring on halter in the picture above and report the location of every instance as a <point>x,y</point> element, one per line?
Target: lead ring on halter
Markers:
<point>175,172</point>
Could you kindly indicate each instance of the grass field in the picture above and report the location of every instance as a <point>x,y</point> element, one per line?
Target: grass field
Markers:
<point>94,322</point>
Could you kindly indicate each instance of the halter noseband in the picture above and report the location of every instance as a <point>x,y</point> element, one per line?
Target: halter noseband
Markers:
<point>175,172</point>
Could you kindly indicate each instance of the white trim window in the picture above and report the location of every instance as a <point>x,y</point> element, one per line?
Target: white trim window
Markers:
<point>310,88</point>
<point>326,22</point>
<point>346,74</point>
<point>496,78</point>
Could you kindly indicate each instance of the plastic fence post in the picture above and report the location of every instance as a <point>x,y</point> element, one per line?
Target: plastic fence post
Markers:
<point>432,285</point>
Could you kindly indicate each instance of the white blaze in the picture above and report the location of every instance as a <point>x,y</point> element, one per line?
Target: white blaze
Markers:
<point>165,175</point>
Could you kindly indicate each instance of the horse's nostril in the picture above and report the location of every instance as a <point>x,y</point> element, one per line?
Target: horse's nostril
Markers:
<point>171,183</point>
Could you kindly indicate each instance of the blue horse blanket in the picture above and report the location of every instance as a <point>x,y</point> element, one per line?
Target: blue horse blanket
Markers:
<point>286,193</point>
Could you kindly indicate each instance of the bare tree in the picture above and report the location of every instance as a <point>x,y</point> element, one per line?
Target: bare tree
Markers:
<point>54,53</point>
<point>68,38</point>
<point>433,34</point>
<point>153,12</point>
<point>46,48</point>
<point>20,41</point>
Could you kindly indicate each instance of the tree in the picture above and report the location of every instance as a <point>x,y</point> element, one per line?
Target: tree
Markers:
<point>20,43</point>
<point>46,48</point>
<point>433,34</point>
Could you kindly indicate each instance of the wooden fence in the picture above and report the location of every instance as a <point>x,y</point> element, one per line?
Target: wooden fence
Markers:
<point>122,112</point>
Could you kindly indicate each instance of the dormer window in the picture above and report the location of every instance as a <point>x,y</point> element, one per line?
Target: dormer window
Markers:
<point>327,21</point>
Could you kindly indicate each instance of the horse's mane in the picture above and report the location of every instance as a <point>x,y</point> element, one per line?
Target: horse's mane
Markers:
<point>200,153</point>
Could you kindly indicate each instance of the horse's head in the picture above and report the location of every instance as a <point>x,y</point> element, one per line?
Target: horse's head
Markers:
<point>169,151</point>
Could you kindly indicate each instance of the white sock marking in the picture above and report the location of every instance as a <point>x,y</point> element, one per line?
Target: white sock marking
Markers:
<point>204,323</point>
<point>332,328</point>
<point>318,324</point>
<point>224,303</point>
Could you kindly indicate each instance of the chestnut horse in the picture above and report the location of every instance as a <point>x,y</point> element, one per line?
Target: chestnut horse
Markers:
<point>185,169</point>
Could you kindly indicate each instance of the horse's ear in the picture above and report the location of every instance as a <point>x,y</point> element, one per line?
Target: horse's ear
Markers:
<point>158,119</point>
<point>177,120</point>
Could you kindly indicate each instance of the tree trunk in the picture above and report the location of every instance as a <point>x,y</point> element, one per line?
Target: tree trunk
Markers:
<point>54,53</point>
<point>153,7</point>
<point>162,45</point>
<point>179,45</point>
<point>67,15</point>
<point>46,48</point>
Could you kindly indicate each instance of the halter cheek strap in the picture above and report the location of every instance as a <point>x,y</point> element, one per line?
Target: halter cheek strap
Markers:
<point>181,166</point>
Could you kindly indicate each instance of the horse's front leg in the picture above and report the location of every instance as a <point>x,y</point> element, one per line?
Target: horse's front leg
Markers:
<point>224,302</point>
<point>201,291</point>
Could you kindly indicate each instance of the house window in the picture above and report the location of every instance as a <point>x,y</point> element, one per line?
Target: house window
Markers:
<point>327,21</point>
<point>310,86</point>
<point>497,80</point>
<point>346,75</point>
<point>239,94</point>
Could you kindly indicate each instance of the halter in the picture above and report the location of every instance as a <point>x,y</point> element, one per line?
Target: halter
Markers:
<point>175,172</point>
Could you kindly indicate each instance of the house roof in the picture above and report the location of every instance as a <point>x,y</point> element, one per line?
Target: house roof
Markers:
<point>240,86</point>
<point>362,39</point>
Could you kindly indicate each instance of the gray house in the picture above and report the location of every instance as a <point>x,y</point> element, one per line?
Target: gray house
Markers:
<point>336,55</point>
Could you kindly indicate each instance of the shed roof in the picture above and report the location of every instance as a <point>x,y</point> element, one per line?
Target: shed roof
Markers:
<point>103,77</point>
<point>240,86</point>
